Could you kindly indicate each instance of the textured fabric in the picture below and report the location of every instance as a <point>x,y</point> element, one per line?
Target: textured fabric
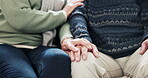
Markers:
<point>116,27</point>
<point>54,5</point>
<point>137,65</point>
<point>22,22</point>
<point>96,67</point>
<point>134,66</point>
<point>65,32</point>
<point>42,62</point>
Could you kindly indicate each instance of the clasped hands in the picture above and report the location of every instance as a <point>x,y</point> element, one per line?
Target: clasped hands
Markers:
<point>77,49</point>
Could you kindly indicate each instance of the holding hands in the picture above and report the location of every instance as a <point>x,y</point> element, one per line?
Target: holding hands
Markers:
<point>77,49</point>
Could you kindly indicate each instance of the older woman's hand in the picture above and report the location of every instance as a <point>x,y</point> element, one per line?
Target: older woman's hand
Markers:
<point>71,5</point>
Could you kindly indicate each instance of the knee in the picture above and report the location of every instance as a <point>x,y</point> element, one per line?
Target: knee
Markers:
<point>143,65</point>
<point>143,61</point>
<point>88,65</point>
<point>142,69</point>
<point>6,49</point>
<point>89,62</point>
<point>18,74</point>
<point>56,56</point>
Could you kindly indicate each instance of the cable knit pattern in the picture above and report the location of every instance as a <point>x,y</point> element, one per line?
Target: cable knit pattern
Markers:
<point>116,27</point>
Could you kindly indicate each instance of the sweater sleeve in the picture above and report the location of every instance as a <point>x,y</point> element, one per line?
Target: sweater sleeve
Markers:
<point>23,17</point>
<point>65,32</point>
<point>144,16</point>
<point>78,24</point>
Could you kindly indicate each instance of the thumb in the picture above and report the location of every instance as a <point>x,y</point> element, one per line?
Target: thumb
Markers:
<point>143,49</point>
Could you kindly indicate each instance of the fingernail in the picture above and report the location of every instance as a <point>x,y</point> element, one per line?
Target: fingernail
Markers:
<point>97,55</point>
<point>77,59</point>
<point>76,49</point>
<point>84,57</point>
<point>72,59</point>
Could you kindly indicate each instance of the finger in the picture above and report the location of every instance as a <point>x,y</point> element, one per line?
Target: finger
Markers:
<point>89,43</point>
<point>68,52</point>
<point>77,4</point>
<point>95,51</point>
<point>82,43</point>
<point>64,48</point>
<point>72,56</point>
<point>70,47</point>
<point>143,48</point>
<point>86,40</point>
<point>84,54</point>
<point>77,56</point>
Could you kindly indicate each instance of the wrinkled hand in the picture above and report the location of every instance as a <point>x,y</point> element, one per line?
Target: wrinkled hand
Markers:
<point>78,48</point>
<point>70,44</point>
<point>144,47</point>
<point>71,5</point>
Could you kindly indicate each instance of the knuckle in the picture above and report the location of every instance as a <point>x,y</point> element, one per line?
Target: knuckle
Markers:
<point>93,45</point>
<point>83,54</point>
<point>144,42</point>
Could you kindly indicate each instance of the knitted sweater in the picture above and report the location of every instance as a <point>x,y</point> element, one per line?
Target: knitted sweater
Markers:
<point>116,27</point>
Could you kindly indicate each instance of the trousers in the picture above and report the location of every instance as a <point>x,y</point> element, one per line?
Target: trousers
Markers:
<point>133,66</point>
<point>41,62</point>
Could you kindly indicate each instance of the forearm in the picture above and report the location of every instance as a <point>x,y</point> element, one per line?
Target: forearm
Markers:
<point>22,17</point>
<point>65,32</point>
<point>78,27</point>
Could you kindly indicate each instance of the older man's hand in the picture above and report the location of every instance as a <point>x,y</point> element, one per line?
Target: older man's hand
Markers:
<point>144,47</point>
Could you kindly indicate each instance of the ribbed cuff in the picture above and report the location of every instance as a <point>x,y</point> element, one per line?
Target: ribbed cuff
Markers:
<point>65,15</point>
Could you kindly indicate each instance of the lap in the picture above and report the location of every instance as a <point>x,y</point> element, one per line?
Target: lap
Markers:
<point>137,65</point>
<point>50,62</point>
<point>44,52</point>
<point>110,65</point>
<point>46,62</point>
<point>12,61</point>
<point>104,66</point>
<point>133,66</point>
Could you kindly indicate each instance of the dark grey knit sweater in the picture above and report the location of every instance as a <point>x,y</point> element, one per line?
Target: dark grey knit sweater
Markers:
<point>116,27</point>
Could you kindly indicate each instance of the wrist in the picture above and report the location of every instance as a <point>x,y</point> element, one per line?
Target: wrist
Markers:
<point>65,39</point>
<point>65,10</point>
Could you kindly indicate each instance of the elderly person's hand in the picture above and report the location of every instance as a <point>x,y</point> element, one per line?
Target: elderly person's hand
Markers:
<point>71,5</point>
<point>77,48</point>
<point>144,47</point>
